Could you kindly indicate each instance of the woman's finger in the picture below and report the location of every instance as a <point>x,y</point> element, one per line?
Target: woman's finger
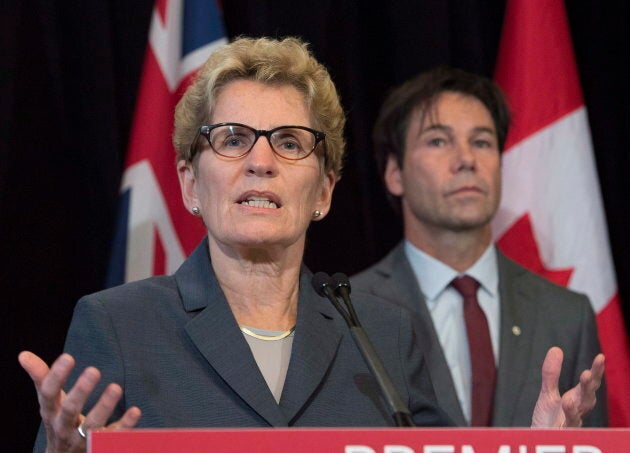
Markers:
<point>104,408</point>
<point>69,416</point>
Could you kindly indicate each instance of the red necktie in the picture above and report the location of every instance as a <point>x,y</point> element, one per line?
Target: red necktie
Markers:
<point>481,357</point>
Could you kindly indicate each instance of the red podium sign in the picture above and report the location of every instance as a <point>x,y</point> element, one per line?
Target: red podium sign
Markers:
<point>362,440</point>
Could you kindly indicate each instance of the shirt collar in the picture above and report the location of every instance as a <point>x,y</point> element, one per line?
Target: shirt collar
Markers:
<point>434,276</point>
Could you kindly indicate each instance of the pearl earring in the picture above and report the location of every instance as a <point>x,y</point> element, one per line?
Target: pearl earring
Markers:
<point>316,213</point>
<point>195,210</point>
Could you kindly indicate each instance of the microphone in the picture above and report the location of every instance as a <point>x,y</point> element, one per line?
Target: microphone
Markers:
<point>341,283</point>
<point>324,286</point>
<point>327,286</point>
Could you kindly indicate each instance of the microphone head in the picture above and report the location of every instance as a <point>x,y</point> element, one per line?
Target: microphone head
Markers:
<point>340,279</point>
<point>320,281</point>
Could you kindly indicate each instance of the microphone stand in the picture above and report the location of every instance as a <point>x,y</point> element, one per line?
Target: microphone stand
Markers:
<point>323,284</point>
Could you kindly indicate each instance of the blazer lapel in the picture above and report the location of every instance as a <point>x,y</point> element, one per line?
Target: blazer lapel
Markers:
<point>518,315</point>
<point>314,347</point>
<point>402,285</point>
<point>215,333</point>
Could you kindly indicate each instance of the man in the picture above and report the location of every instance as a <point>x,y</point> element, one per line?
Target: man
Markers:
<point>438,140</point>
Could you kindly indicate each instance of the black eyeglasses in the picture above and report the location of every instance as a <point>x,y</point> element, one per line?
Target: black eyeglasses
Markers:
<point>234,140</point>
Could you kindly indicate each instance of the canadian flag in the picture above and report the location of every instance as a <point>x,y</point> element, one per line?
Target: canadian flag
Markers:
<point>551,217</point>
<point>154,234</point>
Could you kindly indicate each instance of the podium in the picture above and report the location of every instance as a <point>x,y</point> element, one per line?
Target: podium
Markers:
<point>362,440</point>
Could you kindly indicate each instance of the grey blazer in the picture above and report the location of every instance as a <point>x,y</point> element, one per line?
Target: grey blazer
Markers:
<point>174,346</point>
<point>547,315</point>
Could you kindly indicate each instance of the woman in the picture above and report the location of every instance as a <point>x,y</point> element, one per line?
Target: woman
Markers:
<point>237,336</point>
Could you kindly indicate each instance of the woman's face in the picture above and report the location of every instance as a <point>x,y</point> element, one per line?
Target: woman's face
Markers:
<point>259,200</point>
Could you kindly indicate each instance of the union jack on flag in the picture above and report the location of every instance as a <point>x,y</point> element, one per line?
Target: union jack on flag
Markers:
<point>153,233</point>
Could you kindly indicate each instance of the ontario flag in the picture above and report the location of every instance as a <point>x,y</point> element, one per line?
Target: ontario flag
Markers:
<point>153,233</point>
<point>551,217</point>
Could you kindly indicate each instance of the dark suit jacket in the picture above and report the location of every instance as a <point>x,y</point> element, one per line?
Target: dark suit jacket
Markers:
<point>547,315</point>
<point>174,346</point>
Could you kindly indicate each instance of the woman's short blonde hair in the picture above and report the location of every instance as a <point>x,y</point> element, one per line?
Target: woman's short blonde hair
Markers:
<point>270,61</point>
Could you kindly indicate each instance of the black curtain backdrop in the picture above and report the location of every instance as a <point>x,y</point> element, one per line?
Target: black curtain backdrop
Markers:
<point>68,79</point>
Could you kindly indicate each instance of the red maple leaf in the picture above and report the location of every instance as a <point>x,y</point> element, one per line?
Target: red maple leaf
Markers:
<point>519,243</point>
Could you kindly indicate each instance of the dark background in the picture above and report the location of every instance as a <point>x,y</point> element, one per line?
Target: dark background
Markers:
<point>68,79</point>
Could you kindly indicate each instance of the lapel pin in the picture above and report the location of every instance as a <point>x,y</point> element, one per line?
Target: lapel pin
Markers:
<point>516,330</point>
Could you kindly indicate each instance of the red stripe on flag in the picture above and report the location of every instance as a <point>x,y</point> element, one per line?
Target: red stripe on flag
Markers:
<point>153,118</point>
<point>160,7</point>
<point>159,257</point>
<point>537,31</point>
<point>612,332</point>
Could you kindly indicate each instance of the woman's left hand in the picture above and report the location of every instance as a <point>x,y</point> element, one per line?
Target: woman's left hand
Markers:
<point>567,411</point>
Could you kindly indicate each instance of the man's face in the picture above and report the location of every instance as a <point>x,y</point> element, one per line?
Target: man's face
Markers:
<point>450,180</point>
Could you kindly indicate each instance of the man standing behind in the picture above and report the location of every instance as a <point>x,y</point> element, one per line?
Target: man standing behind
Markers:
<point>486,322</point>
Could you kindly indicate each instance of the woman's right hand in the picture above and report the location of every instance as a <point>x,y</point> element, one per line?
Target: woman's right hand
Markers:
<point>61,412</point>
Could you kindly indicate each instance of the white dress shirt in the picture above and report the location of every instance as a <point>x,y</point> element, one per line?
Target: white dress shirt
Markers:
<point>446,307</point>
